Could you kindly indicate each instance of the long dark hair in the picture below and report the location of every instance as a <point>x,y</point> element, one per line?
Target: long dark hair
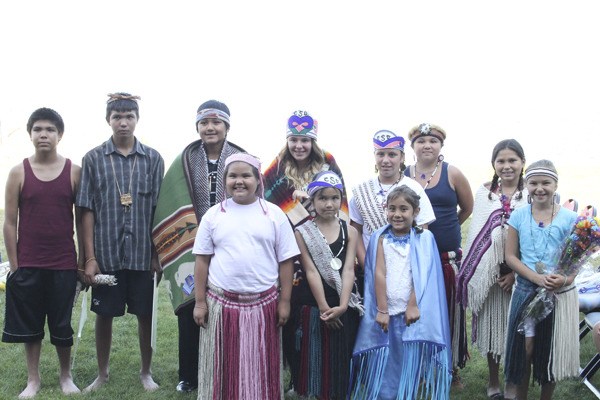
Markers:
<point>507,144</point>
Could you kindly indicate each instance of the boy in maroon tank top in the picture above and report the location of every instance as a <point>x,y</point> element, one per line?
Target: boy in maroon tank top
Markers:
<point>38,233</point>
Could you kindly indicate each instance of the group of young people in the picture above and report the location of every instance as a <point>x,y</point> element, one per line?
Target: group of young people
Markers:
<point>361,297</point>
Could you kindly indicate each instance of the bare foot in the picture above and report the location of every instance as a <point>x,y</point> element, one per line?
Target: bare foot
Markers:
<point>148,383</point>
<point>68,386</point>
<point>33,387</point>
<point>98,382</point>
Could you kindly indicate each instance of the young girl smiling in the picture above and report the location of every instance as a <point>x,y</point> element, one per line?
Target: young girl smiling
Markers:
<point>397,353</point>
<point>249,245</point>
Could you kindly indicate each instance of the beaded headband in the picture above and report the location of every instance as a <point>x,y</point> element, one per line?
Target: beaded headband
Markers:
<point>388,140</point>
<point>118,96</point>
<point>302,124</point>
<point>541,171</point>
<point>325,179</point>
<point>426,130</point>
<point>212,113</point>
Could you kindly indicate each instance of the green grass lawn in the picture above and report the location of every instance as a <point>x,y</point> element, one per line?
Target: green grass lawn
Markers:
<point>124,382</point>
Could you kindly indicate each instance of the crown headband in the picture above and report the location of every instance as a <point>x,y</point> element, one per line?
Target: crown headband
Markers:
<point>302,124</point>
<point>387,140</point>
<point>325,179</point>
<point>212,113</point>
<point>541,171</point>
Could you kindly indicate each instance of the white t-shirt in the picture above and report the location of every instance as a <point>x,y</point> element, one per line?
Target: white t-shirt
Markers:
<point>246,245</point>
<point>426,214</point>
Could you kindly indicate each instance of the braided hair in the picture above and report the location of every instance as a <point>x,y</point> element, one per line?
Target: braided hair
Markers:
<point>507,144</point>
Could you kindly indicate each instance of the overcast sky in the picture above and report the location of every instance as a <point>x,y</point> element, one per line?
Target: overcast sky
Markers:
<point>484,71</point>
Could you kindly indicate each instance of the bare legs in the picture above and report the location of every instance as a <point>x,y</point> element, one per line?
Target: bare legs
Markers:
<point>522,389</point>
<point>32,353</point>
<point>103,345</point>
<point>145,331</point>
<point>494,369</point>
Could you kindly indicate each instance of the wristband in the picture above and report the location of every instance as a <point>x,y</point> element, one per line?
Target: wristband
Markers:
<point>90,259</point>
<point>382,312</point>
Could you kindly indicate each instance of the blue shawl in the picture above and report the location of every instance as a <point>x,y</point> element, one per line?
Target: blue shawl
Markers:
<point>426,365</point>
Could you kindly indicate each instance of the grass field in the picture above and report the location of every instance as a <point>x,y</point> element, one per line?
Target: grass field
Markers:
<point>124,383</point>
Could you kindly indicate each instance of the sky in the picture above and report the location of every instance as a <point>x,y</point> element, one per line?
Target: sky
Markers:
<point>484,71</point>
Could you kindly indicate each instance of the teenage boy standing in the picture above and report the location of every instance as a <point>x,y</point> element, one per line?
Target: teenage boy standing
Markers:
<point>38,233</point>
<point>119,188</point>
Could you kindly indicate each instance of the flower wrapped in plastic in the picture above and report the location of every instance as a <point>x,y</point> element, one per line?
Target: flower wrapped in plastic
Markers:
<point>575,251</point>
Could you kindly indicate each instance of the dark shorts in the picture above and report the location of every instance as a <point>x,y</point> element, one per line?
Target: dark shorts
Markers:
<point>32,294</point>
<point>134,289</point>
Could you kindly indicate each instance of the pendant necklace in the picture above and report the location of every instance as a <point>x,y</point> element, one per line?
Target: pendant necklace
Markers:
<point>423,176</point>
<point>540,267</point>
<point>335,263</point>
<point>126,198</point>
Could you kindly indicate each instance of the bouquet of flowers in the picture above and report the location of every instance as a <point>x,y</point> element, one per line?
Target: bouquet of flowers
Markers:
<point>576,249</point>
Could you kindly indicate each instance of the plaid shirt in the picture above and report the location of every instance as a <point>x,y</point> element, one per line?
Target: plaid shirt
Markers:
<point>122,235</point>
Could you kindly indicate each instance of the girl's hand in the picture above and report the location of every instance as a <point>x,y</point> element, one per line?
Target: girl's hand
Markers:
<point>506,282</point>
<point>300,195</point>
<point>555,281</point>
<point>283,312</point>
<point>201,313</point>
<point>411,315</point>
<point>383,320</point>
<point>332,313</point>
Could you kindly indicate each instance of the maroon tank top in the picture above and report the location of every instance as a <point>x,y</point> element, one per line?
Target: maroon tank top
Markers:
<point>45,238</point>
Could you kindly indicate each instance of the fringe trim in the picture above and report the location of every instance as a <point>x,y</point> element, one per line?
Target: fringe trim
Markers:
<point>425,372</point>
<point>366,373</point>
<point>238,360</point>
<point>565,343</point>
<point>490,324</point>
<point>486,274</point>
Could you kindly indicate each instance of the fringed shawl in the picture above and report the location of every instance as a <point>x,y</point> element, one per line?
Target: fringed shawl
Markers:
<point>279,190</point>
<point>484,249</point>
<point>426,367</point>
<point>183,199</point>
<point>321,255</point>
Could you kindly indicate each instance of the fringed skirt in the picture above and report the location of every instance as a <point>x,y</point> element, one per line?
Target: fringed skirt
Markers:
<point>320,357</point>
<point>401,370</point>
<point>240,350</point>
<point>556,342</point>
<point>489,325</point>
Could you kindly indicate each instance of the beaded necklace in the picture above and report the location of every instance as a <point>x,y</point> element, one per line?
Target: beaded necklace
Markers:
<point>422,176</point>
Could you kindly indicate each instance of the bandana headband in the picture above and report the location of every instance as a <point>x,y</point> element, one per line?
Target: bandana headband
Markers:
<point>426,130</point>
<point>325,179</point>
<point>212,113</point>
<point>117,96</point>
<point>302,124</point>
<point>541,171</point>
<point>387,140</point>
